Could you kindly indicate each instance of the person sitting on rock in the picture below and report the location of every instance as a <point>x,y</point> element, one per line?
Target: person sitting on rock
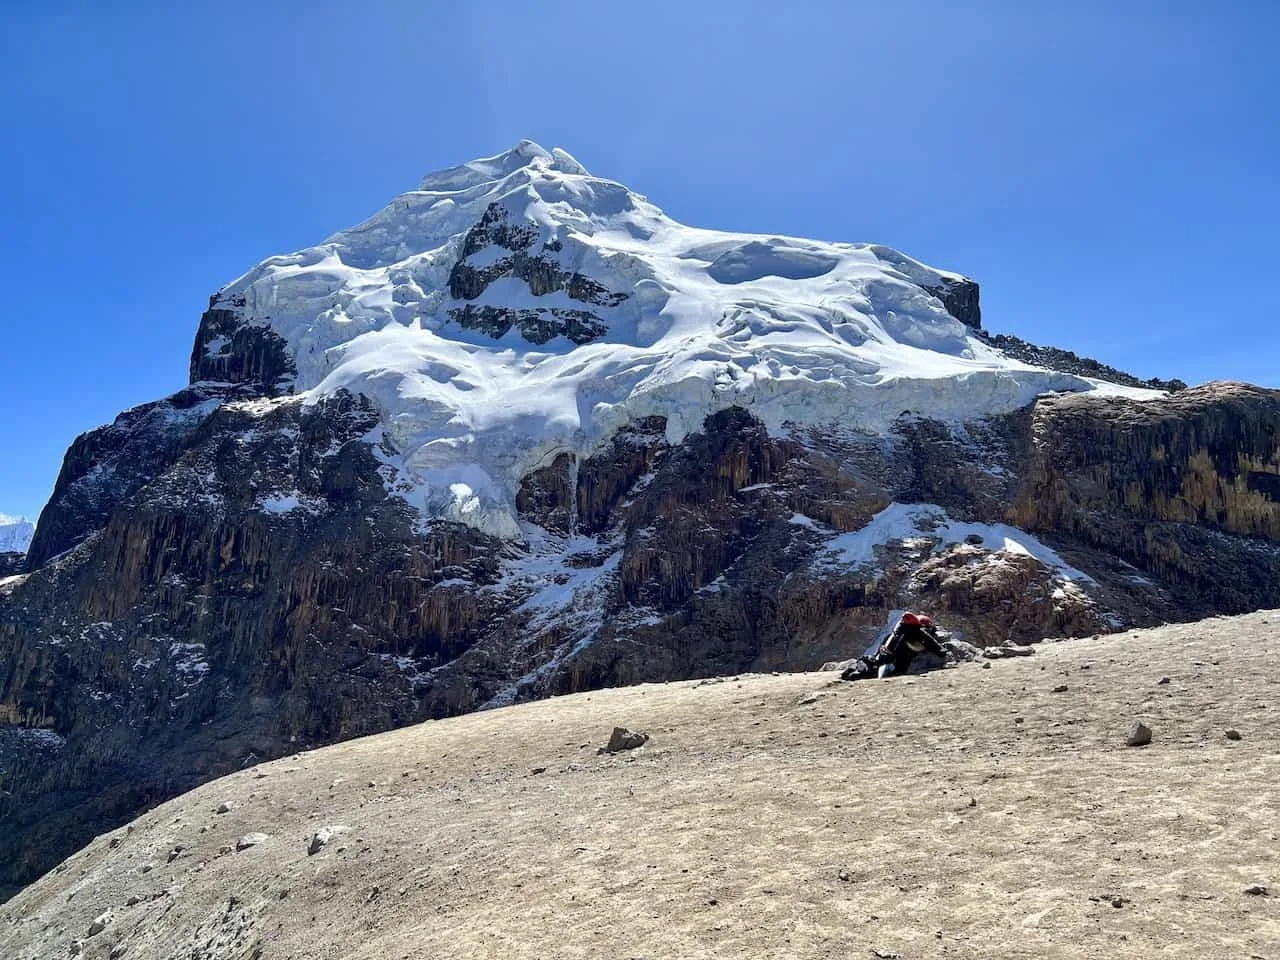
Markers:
<point>913,635</point>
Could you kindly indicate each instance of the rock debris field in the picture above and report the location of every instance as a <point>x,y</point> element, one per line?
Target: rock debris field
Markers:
<point>967,813</point>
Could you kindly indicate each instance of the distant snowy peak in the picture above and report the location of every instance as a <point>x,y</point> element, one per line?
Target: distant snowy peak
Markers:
<point>15,534</point>
<point>516,307</point>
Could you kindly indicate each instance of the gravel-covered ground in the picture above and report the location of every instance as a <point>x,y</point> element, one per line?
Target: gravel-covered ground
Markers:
<point>974,812</point>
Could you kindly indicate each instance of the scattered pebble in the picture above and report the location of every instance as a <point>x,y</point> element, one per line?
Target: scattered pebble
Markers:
<point>1233,734</point>
<point>223,807</point>
<point>99,924</point>
<point>1060,688</point>
<point>1162,681</point>
<point>1257,890</point>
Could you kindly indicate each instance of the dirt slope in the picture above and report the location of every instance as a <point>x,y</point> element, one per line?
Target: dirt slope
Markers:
<point>969,813</point>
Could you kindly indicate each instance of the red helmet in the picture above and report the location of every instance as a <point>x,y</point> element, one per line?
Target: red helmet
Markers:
<point>925,620</point>
<point>910,619</point>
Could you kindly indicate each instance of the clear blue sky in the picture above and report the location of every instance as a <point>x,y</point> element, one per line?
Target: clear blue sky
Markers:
<point>1111,178</point>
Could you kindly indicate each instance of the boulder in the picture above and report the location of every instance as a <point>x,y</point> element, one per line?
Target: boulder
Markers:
<point>624,739</point>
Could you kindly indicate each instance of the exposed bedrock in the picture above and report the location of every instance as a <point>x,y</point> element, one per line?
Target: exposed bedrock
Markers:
<point>1184,488</point>
<point>961,298</point>
<point>230,350</point>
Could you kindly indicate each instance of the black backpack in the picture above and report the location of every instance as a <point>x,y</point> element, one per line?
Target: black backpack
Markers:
<point>860,669</point>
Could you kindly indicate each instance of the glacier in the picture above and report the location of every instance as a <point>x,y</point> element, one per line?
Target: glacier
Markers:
<point>516,307</point>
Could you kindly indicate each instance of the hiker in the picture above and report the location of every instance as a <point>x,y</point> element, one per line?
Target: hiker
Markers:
<point>914,634</point>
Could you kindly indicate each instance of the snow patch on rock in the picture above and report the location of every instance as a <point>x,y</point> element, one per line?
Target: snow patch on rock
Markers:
<point>905,522</point>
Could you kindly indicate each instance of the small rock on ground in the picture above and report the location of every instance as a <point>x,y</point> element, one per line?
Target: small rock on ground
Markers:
<point>250,840</point>
<point>319,839</point>
<point>1139,735</point>
<point>624,739</point>
<point>1257,890</point>
<point>223,807</point>
<point>1000,653</point>
<point>1233,734</point>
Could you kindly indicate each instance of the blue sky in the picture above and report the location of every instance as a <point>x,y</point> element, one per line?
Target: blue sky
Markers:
<point>1111,178</point>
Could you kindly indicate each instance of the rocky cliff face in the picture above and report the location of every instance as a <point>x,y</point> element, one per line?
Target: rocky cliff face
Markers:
<point>251,566</point>
<point>1183,488</point>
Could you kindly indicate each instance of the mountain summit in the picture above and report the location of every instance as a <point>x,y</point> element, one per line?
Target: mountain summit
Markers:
<point>521,434</point>
<point>523,278</point>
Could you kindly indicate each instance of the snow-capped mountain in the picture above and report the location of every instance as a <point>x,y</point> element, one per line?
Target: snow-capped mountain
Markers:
<point>520,434</point>
<point>15,534</point>
<point>515,308</point>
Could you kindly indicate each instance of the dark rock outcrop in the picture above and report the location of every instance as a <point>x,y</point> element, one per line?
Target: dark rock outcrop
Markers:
<point>961,298</point>
<point>1170,486</point>
<point>1065,361</point>
<point>546,495</point>
<point>542,271</point>
<point>229,350</point>
<point>106,466</point>
<point>537,325</point>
